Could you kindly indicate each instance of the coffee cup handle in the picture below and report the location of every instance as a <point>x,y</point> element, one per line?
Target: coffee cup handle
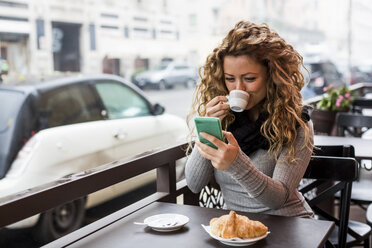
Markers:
<point>227,102</point>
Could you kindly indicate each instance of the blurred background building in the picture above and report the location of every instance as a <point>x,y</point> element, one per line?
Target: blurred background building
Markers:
<point>46,37</point>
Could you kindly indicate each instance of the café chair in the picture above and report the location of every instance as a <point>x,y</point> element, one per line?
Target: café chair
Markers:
<point>369,215</point>
<point>361,103</point>
<point>354,124</point>
<point>334,169</point>
<point>350,123</point>
<point>211,196</point>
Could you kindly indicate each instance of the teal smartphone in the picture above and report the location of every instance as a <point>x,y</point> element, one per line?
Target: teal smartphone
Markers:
<point>210,125</point>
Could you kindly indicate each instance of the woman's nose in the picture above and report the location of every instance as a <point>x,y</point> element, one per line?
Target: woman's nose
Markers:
<point>240,85</point>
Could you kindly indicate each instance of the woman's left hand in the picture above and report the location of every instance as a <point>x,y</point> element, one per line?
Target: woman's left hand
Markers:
<point>222,157</point>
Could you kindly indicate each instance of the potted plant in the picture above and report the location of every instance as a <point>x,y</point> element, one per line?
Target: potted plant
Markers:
<point>333,101</point>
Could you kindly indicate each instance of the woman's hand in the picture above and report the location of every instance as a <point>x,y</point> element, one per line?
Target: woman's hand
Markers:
<point>217,108</point>
<point>222,157</point>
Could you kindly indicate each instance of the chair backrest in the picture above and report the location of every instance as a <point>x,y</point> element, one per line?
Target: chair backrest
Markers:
<point>352,123</point>
<point>335,151</point>
<point>369,215</point>
<point>333,174</point>
<point>362,103</point>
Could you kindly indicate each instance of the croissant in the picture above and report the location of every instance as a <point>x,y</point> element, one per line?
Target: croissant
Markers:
<point>236,226</point>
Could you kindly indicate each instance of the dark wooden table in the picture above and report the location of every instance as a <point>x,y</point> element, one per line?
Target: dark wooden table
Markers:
<point>362,146</point>
<point>286,232</point>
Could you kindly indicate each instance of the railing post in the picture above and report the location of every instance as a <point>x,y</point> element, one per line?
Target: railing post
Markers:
<point>166,180</point>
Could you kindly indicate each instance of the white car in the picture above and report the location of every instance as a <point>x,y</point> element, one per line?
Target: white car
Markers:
<point>167,76</point>
<point>64,126</point>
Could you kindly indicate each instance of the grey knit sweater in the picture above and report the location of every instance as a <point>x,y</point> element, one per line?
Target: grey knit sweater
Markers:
<point>257,183</point>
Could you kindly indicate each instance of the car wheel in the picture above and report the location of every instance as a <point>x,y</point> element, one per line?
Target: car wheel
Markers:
<point>162,85</point>
<point>190,83</point>
<point>60,221</point>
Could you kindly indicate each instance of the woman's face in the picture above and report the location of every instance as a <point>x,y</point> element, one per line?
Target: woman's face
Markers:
<point>244,73</point>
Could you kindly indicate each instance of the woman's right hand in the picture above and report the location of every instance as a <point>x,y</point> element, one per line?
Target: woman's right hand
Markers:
<point>217,108</point>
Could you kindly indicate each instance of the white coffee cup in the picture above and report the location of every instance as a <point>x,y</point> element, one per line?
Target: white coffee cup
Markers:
<point>238,100</point>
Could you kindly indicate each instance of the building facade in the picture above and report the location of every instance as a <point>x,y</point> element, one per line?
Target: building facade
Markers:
<point>45,37</point>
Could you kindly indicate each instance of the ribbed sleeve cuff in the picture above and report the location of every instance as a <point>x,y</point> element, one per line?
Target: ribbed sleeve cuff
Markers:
<point>240,164</point>
<point>243,170</point>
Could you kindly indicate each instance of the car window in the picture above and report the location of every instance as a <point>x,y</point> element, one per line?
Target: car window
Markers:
<point>180,67</point>
<point>160,68</point>
<point>12,101</point>
<point>315,68</point>
<point>365,68</point>
<point>69,105</point>
<point>330,69</point>
<point>121,101</point>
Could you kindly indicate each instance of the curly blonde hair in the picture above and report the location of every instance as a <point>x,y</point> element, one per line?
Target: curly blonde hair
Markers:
<point>283,101</point>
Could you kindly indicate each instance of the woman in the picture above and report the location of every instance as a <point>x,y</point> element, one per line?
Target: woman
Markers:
<point>269,144</point>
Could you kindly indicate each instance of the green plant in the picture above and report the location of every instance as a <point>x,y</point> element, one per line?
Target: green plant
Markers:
<point>340,99</point>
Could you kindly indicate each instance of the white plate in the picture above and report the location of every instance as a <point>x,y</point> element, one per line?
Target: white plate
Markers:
<point>234,241</point>
<point>166,222</point>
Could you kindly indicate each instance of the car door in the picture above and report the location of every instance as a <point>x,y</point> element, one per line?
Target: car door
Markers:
<point>180,72</point>
<point>72,137</point>
<point>74,118</point>
<point>171,74</point>
<point>133,127</point>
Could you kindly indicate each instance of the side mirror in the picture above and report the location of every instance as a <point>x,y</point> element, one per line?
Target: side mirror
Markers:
<point>157,109</point>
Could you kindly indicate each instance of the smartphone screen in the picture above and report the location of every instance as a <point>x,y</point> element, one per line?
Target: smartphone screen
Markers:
<point>210,125</point>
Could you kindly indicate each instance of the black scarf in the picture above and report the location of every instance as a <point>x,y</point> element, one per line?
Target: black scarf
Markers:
<point>248,133</point>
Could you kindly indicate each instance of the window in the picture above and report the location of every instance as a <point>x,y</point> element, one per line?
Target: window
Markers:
<point>329,68</point>
<point>181,67</point>
<point>11,18</point>
<point>126,32</point>
<point>109,27</point>
<point>121,101</point>
<point>140,19</point>
<point>107,15</point>
<point>166,31</point>
<point>40,32</point>
<point>14,5</point>
<point>141,33</point>
<point>92,37</point>
<point>69,105</point>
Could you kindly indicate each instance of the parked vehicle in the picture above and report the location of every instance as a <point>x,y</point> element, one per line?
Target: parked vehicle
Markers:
<point>63,126</point>
<point>367,69</point>
<point>322,73</point>
<point>167,76</point>
<point>361,74</point>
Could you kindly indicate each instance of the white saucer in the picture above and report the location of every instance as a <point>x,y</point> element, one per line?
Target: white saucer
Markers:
<point>166,222</point>
<point>234,241</point>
